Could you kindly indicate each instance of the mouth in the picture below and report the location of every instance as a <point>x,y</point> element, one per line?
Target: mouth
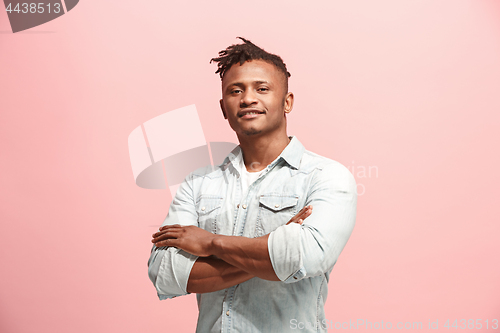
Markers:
<point>250,113</point>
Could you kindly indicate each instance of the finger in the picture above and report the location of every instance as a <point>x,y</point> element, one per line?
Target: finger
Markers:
<point>293,220</point>
<point>159,233</point>
<point>298,215</point>
<point>303,214</point>
<point>166,235</point>
<point>306,214</point>
<point>302,210</point>
<point>162,237</point>
<point>171,242</point>
<point>299,221</point>
<point>165,227</point>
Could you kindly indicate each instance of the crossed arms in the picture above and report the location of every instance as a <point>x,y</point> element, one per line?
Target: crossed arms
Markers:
<point>240,258</point>
<point>188,259</point>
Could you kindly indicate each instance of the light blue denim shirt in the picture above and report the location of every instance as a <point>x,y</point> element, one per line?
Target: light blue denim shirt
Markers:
<point>302,255</point>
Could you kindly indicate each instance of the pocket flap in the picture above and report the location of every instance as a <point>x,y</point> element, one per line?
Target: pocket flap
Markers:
<point>206,205</point>
<point>277,202</point>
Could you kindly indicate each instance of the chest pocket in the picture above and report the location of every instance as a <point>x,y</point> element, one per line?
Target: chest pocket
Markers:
<point>275,210</point>
<point>208,208</point>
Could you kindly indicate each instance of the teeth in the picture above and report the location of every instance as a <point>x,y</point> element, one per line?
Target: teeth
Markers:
<point>252,113</point>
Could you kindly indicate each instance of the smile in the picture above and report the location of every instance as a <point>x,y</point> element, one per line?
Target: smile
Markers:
<point>250,114</point>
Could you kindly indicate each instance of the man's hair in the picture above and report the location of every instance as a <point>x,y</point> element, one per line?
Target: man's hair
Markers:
<point>239,53</point>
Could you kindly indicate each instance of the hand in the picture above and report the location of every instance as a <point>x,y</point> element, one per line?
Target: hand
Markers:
<point>191,239</point>
<point>301,215</point>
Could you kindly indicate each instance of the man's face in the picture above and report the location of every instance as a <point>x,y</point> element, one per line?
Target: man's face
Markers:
<point>254,98</point>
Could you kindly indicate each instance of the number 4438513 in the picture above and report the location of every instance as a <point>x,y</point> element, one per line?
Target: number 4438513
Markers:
<point>472,324</point>
<point>34,8</point>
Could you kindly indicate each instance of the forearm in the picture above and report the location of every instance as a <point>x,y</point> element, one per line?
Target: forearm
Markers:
<point>168,270</point>
<point>248,254</point>
<point>243,258</point>
<point>210,274</point>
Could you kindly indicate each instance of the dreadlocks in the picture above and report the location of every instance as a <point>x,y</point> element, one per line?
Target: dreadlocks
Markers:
<point>239,53</point>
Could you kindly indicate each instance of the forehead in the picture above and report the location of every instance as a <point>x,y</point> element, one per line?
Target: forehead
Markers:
<point>251,71</point>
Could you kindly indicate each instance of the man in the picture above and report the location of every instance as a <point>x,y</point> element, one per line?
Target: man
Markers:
<point>257,237</point>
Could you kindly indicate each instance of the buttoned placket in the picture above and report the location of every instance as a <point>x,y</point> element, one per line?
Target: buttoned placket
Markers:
<point>240,219</point>
<point>229,295</point>
<point>242,206</point>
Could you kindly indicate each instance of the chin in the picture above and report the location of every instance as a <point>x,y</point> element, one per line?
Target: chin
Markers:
<point>252,132</point>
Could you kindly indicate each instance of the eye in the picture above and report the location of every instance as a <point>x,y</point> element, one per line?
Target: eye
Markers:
<point>263,89</point>
<point>235,91</point>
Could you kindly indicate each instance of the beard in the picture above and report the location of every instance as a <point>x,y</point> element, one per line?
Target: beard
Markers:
<point>252,131</point>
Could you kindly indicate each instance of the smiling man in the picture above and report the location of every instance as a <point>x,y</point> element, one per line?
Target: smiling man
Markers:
<point>256,238</point>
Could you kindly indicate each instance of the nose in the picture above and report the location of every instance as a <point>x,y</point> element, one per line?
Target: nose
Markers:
<point>248,98</point>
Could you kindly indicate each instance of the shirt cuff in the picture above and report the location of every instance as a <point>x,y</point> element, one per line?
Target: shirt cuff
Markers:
<point>169,271</point>
<point>284,246</point>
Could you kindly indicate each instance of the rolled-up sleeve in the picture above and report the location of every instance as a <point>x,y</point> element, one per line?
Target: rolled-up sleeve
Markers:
<point>169,268</point>
<point>301,251</point>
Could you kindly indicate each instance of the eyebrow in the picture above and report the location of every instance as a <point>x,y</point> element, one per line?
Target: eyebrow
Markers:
<point>241,84</point>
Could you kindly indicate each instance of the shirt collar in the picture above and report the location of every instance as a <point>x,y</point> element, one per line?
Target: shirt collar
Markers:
<point>292,154</point>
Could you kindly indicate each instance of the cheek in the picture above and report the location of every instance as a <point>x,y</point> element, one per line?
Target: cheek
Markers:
<point>277,105</point>
<point>230,104</point>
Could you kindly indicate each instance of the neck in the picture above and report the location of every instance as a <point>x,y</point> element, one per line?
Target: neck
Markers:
<point>259,152</point>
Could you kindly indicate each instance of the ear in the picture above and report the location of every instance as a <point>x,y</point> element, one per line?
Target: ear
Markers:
<point>288,102</point>
<point>222,108</point>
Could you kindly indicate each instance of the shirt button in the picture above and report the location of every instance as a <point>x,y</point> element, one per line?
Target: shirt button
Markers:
<point>238,206</point>
<point>202,208</point>
<point>244,206</point>
<point>276,205</point>
<point>227,313</point>
<point>295,277</point>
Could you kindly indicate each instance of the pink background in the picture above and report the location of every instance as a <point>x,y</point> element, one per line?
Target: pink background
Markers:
<point>410,88</point>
